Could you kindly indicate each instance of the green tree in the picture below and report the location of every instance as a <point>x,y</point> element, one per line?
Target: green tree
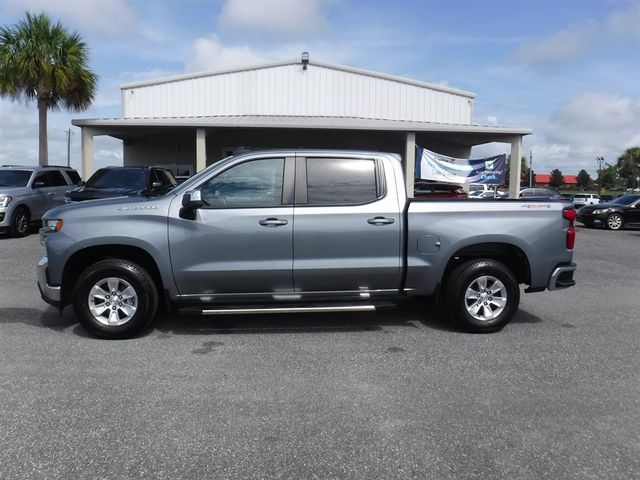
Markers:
<point>583,179</point>
<point>44,63</point>
<point>629,167</point>
<point>556,180</point>
<point>609,177</point>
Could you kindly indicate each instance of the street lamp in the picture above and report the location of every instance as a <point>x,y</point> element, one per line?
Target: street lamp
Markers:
<point>600,161</point>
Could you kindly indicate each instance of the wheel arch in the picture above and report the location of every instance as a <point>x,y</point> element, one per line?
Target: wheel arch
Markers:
<point>509,254</point>
<point>83,258</point>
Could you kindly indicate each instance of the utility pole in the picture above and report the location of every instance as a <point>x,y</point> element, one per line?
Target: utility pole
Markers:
<point>530,168</point>
<point>600,161</point>
<point>69,133</point>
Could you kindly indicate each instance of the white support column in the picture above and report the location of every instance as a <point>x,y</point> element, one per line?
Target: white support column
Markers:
<point>201,149</point>
<point>515,167</point>
<point>410,162</point>
<point>87,152</point>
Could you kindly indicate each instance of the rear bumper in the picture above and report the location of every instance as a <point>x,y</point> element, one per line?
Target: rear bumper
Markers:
<point>562,277</point>
<point>49,293</point>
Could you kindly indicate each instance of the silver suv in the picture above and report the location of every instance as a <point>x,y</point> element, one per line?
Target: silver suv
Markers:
<point>27,192</point>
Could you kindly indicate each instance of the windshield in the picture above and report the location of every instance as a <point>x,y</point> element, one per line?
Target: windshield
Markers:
<point>14,178</point>
<point>130,178</point>
<point>626,199</point>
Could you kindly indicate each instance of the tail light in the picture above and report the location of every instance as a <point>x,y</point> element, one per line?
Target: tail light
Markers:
<point>570,214</point>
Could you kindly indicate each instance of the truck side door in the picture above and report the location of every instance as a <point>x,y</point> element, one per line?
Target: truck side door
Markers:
<point>347,235</point>
<point>240,242</point>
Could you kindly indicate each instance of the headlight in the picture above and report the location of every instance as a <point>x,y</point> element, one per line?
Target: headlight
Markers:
<point>5,200</point>
<point>602,210</point>
<point>54,225</point>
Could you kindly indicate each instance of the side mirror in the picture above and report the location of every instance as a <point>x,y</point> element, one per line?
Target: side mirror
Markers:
<point>80,183</point>
<point>191,201</point>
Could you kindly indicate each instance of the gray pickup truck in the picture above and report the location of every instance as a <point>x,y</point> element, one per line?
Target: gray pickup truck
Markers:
<point>300,231</point>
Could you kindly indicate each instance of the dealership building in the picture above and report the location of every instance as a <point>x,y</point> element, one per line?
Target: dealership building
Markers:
<point>190,121</point>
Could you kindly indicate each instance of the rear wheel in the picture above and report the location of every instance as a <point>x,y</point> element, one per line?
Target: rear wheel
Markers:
<point>115,299</point>
<point>482,295</point>
<point>20,222</point>
<point>614,221</point>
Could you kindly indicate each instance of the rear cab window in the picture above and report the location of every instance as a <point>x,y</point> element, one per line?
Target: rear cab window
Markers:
<point>342,181</point>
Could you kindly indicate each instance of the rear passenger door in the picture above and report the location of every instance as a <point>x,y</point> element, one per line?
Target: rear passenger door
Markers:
<point>346,235</point>
<point>58,186</point>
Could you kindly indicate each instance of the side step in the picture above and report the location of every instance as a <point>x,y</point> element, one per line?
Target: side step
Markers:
<point>246,311</point>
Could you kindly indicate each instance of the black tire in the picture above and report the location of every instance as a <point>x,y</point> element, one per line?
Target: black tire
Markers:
<point>470,275</point>
<point>20,222</point>
<point>134,313</point>
<point>614,221</point>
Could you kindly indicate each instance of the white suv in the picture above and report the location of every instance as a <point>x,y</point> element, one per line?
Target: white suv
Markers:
<point>582,199</point>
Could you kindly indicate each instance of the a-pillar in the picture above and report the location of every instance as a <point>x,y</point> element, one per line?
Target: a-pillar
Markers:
<point>515,167</point>
<point>201,149</point>
<point>87,152</point>
<point>410,162</point>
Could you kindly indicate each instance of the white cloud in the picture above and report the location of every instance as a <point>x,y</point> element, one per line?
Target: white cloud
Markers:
<point>590,125</point>
<point>208,53</point>
<point>492,120</point>
<point>111,18</point>
<point>579,40</point>
<point>277,18</point>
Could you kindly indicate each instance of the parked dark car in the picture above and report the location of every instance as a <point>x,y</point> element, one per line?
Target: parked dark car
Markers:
<point>541,193</point>
<point>124,181</point>
<point>623,211</point>
<point>427,189</point>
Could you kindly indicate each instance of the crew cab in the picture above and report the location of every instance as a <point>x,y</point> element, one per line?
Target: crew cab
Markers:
<point>300,231</point>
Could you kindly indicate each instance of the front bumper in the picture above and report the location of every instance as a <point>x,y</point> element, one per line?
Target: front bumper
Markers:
<point>562,277</point>
<point>588,218</point>
<point>49,293</point>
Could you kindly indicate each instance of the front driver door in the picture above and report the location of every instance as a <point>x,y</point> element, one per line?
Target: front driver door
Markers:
<point>240,242</point>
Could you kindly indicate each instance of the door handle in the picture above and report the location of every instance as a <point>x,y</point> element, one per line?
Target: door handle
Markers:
<point>272,222</point>
<point>380,221</point>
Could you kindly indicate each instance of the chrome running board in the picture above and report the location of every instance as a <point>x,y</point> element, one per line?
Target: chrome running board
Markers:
<point>245,311</point>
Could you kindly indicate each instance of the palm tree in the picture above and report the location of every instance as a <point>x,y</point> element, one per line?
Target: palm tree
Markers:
<point>43,62</point>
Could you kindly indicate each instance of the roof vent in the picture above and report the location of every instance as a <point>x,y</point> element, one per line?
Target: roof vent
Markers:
<point>305,60</point>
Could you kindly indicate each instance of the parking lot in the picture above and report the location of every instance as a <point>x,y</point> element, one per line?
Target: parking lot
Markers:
<point>395,394</point>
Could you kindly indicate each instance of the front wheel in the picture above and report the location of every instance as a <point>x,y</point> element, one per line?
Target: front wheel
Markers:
<point>115,298</point>
<point>614,221</point>
<point>482,294</point>
<point>20,222</point>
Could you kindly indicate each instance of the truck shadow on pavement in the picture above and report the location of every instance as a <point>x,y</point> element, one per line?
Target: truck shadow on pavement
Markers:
<point>418,314</point>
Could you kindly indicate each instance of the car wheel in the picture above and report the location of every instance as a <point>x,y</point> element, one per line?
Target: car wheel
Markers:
<point>20,222</point>
<point>614,221</point>
<point>115,298</point>
<point>482,295</point>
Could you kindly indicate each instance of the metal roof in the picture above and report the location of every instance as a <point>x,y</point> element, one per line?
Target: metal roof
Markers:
<point>294,122</point>
<point>408,81</point>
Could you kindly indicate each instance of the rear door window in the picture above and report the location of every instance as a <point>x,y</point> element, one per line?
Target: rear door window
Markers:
<point>56,179</point>
<point>73,175</point>
<point>341,181</point>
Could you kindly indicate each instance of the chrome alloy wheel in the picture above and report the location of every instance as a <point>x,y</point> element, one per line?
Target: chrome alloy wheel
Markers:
<point>485,298</point>
<point>614,221</point>
<point>113,301</point>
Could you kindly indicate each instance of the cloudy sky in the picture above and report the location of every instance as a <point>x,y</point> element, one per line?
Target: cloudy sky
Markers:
<point>568,69</point>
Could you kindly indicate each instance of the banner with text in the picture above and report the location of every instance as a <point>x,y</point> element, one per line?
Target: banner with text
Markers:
<point>433,166</point>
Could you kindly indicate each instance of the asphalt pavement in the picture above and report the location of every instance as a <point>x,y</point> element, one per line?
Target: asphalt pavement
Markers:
<point>394,394</point>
